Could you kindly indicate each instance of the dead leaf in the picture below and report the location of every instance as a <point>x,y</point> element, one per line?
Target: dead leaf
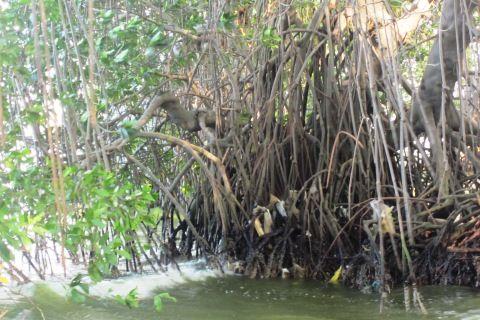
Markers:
<point>336,276</point>
<point>258,227</point>
<point>273,199</point>
<point>332,4</point>
<point>383,215</point>
<point>267,222</point>
<point>387,220</point>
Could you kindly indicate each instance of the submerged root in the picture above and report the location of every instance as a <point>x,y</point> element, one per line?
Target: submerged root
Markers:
<point>443,253</point>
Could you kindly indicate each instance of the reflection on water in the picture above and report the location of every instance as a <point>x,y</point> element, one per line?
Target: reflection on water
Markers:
<point>235,297</point>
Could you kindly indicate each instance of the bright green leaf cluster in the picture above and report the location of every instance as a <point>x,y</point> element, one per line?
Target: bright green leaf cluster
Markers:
<point>270,38</point>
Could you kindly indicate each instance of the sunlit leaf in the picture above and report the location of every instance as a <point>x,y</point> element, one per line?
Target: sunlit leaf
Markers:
<point>158,303</point>
<point>122,56</point>
<point>258,227</point>
<point>130,300</point>
<point>336,276</point>
<point>159,298</point>
<point>125,254</point>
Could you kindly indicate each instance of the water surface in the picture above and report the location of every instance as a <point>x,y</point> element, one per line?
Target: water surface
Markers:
<point>234,297</point>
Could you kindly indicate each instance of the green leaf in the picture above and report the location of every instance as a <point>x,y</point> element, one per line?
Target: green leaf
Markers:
<point>134,23</point>
<point>128,128</point>
<point>130,300</point>
<point>124,133</point>
<point>77,296</point>
<point>396,3</point>
<point>5,252</point>
<point>167,296</point>
<point>85,287</point>
<point>270,38</point>
<point>116,243</point>
<point>158,40</point>
<point>115,32</point>
<point>94,272</point>
<point>76,280</point>
<point>122,56</point>
<point>107,16</point>
<point>158,300</point>
<point>120,299</point>
<point>227,20</point>
<point>111,258</point>
<point>37,218</point>
<point>125,254</point>
<point>98,223</point>
<point>150,52</point>
<point>69,171</point>
<point>39,230</point>
<point>128,124</point>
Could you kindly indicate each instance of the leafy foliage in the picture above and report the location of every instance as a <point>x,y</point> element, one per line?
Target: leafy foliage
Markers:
<point>79,290</point>
<point>130,300</point>
<point>160,298</point>
<point>106,203</point>
<point>26,206</point>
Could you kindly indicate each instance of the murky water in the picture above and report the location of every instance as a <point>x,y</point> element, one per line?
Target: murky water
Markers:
<point>234,297</point>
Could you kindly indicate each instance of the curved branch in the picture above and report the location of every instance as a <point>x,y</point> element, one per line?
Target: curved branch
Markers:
<point>179,115</point>
<point>441,72</point>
